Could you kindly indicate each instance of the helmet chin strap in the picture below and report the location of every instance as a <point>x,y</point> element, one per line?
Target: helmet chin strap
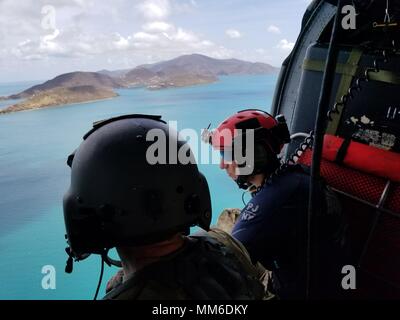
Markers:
<point>107,260</point>
<point>71,258</point>
<point>113,262</point>
<point>251,189</point>
<point>242,182</point>
<point>104,259</point>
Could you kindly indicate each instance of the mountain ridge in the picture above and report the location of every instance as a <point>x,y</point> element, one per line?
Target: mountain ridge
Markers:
<point>182,71</point>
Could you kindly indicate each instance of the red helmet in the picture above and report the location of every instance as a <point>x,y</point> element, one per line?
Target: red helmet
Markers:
<point>273,131</point>
<point>270,135</point>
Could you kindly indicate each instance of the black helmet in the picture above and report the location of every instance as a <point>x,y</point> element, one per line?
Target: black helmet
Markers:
<point>117,198</point>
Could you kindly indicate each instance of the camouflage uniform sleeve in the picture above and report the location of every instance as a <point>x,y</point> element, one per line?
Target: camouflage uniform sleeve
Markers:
<point>154,290</point>
<point>241,253</point>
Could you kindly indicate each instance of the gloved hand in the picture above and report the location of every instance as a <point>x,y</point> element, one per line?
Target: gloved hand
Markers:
<point>115,281</point>
<point>227,219</point>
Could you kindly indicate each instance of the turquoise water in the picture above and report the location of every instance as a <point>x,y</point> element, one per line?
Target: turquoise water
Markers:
<point>7,89</point>
<point>34,146</point>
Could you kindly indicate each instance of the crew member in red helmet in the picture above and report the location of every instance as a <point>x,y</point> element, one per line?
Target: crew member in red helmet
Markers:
<point>272,226</point>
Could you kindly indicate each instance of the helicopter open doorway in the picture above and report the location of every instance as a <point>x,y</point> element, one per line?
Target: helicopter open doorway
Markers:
<point>358,153</point>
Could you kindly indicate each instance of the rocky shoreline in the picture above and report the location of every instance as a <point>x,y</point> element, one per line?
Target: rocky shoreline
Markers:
<point>61,96</point>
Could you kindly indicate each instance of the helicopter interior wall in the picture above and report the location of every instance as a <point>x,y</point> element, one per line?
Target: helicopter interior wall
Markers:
<point>310,87</point>
<point>372,235</point>
<point>371,116</point>
<point>316,26</point>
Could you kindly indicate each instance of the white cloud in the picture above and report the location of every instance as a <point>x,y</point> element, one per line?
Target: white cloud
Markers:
<point>285,45</point>
<point>121,42</point>
<point>274,29</point>
<point>207,43</point>
<point>81,33</point>
<point>37,50</point>
<point>164,38</point>
<point>184,36</point>
<point>157,26</point>
<point>155,9</point>
<point>84,3</point>
<point>233,34</point>
<point>143,36</point>
<point>142,45</point>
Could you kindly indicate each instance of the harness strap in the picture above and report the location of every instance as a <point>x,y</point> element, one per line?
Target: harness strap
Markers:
<point>342,151</point>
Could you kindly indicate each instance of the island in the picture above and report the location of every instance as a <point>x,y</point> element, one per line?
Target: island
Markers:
<point>60,96</point>
<point>79,86</point>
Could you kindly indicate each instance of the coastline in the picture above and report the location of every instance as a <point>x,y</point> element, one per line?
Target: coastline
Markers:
<point>96,100</point>
<point>180,87</point>
<point>130,88</point>
<point>57,106</point>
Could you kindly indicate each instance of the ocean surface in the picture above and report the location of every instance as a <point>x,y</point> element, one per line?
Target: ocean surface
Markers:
<point>7,89</point>
<point>34,146</point>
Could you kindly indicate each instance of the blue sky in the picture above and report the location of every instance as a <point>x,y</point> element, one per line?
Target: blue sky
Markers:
<point>40,39</point>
